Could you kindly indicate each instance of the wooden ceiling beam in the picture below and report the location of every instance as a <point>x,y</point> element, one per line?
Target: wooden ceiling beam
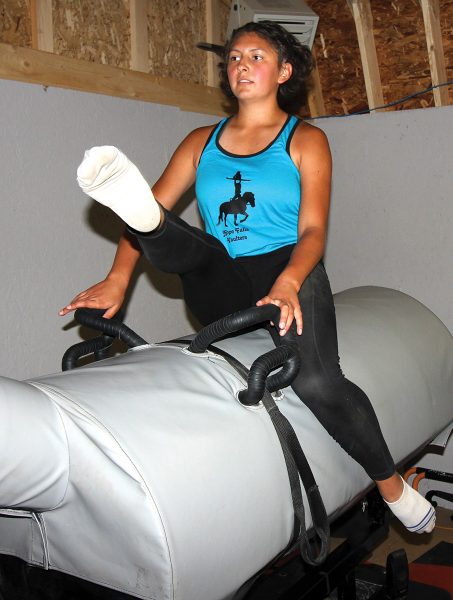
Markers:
<point>139,35</point>
<point>431,18</point>
<point>363,18</point>
<point>315,97</point>
<point>34,66</point>
<point>213,36</point>
<point>41,25</point>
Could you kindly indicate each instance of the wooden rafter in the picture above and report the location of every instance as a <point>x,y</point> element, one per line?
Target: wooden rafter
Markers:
<point>41,25</point>
<point>139,35</point>
<point>213,36</point>
<point>431,18</point>
<point>315,97</point>
<point>363,18</point>
<point>33,66</point>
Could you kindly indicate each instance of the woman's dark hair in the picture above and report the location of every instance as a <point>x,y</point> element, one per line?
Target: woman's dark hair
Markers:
<point>292,94</point>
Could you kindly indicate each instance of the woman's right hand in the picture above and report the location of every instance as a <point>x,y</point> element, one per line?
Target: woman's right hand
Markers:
<point>108,294</point>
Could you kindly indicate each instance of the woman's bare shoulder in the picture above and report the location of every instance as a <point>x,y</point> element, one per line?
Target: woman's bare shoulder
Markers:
<point>306,132</point>
<point>309,140</point>
<point>200,135</point>
<point>196,140</point>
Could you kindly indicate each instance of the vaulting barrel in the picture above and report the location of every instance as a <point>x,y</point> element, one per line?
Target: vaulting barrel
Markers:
<point>145,473</point>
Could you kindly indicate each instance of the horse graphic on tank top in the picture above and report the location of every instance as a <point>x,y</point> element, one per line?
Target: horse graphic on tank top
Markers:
<point>237,205</point>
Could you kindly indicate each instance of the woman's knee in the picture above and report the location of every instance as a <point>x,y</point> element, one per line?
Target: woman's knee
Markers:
<point>337,394</point>
<point>311,388</point>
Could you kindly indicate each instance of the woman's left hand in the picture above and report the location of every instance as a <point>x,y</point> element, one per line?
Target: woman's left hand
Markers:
<point>284,295</point>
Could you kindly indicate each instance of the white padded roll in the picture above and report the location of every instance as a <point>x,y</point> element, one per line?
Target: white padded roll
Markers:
<point>34,465</point>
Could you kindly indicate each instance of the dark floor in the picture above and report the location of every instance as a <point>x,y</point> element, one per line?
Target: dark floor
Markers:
<point>369,579</point>
<point>414,544</point>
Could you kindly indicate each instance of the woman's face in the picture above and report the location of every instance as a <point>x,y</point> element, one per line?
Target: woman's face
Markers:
<point>253,68</point>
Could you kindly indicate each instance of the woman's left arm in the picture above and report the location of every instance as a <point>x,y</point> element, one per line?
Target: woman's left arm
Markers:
<point>310,152</point>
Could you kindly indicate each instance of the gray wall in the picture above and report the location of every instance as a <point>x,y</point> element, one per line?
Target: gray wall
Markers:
<point>390,225</point>
<point>56,241</point>
<point>392,204</point>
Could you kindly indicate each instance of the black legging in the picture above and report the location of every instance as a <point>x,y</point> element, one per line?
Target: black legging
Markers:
<point>216,285</point>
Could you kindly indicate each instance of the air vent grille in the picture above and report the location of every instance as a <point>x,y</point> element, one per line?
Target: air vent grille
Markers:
<point>294,15</point>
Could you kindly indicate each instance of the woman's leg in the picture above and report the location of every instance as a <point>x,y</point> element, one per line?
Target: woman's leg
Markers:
<point>342,407</point>
<point>214,284</point>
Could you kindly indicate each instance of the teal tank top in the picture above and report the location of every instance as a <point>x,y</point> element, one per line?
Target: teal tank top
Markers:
<point>250,202</point>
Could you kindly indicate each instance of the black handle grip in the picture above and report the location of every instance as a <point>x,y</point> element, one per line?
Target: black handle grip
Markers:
<point>92,317</point>
<point>96,346</point>
<point>110,328</point>
<point>232,323</point>
<point>286,357</point>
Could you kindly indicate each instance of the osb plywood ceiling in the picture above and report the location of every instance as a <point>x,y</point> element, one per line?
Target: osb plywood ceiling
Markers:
<point>15,22</point>
<point>99,31</point>
<point>401,50</point>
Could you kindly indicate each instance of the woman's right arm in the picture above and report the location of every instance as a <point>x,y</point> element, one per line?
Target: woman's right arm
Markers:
<point>177,178</point>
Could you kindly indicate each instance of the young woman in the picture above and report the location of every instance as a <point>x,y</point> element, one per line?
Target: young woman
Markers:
<point>263,186</point>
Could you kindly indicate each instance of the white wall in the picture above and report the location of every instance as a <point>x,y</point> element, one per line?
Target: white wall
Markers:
<point>392,204</point>
<point>391,218</point>
<point>55,240</point>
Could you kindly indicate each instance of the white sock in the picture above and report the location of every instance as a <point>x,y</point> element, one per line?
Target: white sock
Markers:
<point>108,176</point>
<point>413,510</point>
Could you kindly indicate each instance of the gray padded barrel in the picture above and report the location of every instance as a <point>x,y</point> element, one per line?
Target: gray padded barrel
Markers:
<point>178,492</point>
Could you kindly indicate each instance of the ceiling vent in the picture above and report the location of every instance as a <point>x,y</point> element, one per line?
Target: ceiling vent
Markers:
<point>294,15</point>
